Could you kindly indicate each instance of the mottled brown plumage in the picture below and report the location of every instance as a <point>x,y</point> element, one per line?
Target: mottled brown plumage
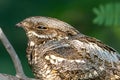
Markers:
<point>57,51</point>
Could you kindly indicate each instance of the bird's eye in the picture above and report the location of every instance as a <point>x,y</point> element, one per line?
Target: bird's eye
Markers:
<point>41,27</point>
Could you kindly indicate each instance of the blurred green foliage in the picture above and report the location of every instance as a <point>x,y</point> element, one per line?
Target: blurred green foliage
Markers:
<point>108,14</point>
<point>78,13</point>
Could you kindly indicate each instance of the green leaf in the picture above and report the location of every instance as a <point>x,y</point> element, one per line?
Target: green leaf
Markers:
<point>108,14</point>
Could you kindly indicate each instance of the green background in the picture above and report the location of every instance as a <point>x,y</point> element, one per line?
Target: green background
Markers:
<point>78,13</point>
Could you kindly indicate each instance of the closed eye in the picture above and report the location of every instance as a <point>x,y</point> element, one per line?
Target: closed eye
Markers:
<point>41,27</point>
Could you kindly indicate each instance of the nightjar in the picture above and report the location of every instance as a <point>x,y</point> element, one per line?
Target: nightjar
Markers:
<point>57,51</point>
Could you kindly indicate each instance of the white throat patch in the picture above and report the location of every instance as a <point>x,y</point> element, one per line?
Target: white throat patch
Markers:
<point>31,33</point>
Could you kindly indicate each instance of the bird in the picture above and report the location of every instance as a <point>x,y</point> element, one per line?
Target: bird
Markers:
<point>58,51</point>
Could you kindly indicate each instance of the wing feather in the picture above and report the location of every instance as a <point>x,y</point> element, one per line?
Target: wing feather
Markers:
<point>94,49</point>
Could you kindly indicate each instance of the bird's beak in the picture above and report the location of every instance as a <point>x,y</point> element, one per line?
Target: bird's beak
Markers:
<point>19,24</point>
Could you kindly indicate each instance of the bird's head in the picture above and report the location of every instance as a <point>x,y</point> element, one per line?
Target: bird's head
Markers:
<point>46,28</point>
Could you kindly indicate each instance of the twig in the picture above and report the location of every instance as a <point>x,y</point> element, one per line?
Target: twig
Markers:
<point>10,77</point>
<point>19,70</point>
<point>12,53</point>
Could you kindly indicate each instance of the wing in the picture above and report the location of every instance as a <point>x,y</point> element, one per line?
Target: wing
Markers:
<point>106,58</point>
<point>96,47</point>
<point>85,54</point>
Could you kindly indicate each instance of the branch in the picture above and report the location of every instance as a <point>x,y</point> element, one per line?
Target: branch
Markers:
<point>10,77</point>
<point>18,67</point>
